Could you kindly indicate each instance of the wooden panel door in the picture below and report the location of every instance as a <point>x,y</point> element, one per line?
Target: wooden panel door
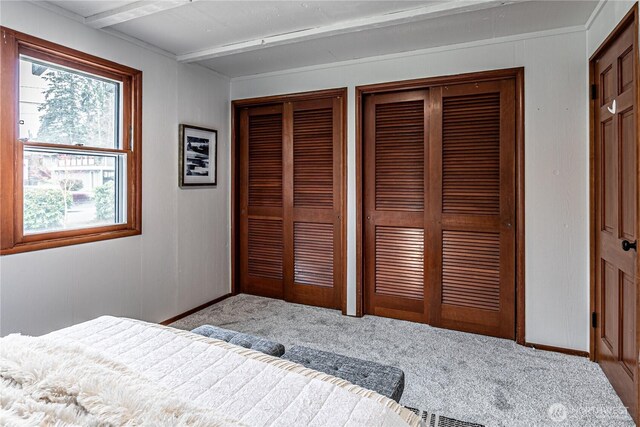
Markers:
<point>471,223</point>
<point>395,155</point>
<point>616,189</point>
<point>261,201</point>
<point>313,202</point>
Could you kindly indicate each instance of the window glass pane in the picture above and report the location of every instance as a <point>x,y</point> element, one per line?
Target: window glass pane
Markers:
<point>62,106</point>
<point>65,191</point>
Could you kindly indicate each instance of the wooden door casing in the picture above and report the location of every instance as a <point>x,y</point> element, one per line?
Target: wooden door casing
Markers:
<point>615,184</point>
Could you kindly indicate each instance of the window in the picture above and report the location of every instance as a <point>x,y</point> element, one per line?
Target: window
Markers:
<point>70,139</point>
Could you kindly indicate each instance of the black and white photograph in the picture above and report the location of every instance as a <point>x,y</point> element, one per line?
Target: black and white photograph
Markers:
<point>197,157</point>
<point>198,149</point>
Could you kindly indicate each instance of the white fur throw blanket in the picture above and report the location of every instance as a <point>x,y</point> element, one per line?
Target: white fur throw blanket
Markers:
<point>43,382</point>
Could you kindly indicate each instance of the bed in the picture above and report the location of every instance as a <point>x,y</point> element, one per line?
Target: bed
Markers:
<point>128,372</point>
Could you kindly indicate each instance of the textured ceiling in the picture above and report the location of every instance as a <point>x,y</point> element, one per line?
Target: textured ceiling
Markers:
<point>217,33</point>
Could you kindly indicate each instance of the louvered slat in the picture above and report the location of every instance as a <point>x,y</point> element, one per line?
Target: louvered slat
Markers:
<point>313,158</point>
<point>471,269</point>
<point>399,153</point>
<point>471,154</point>
<point>265,160</point>
<point>399,262</point>
<point>313,254</point>
<point>265,248</point>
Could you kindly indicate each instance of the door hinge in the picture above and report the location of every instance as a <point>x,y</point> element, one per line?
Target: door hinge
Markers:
<point>594,320</point>
<point>594,92</point>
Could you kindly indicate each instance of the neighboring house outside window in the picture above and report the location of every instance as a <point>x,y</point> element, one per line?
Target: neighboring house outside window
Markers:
<point>73,121</point>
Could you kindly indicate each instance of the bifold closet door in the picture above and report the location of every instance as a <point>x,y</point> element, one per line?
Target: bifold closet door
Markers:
<point>395,140</point>
<point>439,206</point>
<point>313,202</point>
<point>261,201</point>
<point>471,267</point>
<point>291,201</point>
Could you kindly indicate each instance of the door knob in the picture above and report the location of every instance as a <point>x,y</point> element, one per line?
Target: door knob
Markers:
<point>626,245</point>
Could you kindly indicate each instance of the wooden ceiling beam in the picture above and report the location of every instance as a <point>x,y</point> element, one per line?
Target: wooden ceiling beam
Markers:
<point>131,11</point>
<point>379,21</point>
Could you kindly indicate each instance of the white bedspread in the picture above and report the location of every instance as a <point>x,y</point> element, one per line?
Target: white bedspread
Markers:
<point>241,384</point>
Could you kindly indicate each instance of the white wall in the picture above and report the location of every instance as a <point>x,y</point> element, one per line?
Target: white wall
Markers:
<point>182,258</point>
<point>605,21</point>
<point>556,159</point>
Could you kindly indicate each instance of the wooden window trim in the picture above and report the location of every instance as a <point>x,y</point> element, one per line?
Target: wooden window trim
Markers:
<point>12,239</point>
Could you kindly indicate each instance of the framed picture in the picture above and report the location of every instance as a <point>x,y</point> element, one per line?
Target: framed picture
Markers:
<point>198,156</point>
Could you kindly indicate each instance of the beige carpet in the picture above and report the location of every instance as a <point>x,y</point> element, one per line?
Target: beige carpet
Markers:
<point>469,377</point>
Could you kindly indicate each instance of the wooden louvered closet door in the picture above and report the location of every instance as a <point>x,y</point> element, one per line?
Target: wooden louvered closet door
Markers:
<point>439,206</point>
<point>471,270</point>
<point>261,201</point>
<point>395,135</point>
<point>313,200</point>
<point>291,205</point>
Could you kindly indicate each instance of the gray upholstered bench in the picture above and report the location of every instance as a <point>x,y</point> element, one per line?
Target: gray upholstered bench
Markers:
<point>243,340</point>
<point>385,380</point>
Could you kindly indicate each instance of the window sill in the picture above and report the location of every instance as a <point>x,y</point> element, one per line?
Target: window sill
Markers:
<point>68,241</point>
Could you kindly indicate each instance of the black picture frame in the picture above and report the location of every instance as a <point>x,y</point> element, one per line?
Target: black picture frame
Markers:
<point>198,156</point>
